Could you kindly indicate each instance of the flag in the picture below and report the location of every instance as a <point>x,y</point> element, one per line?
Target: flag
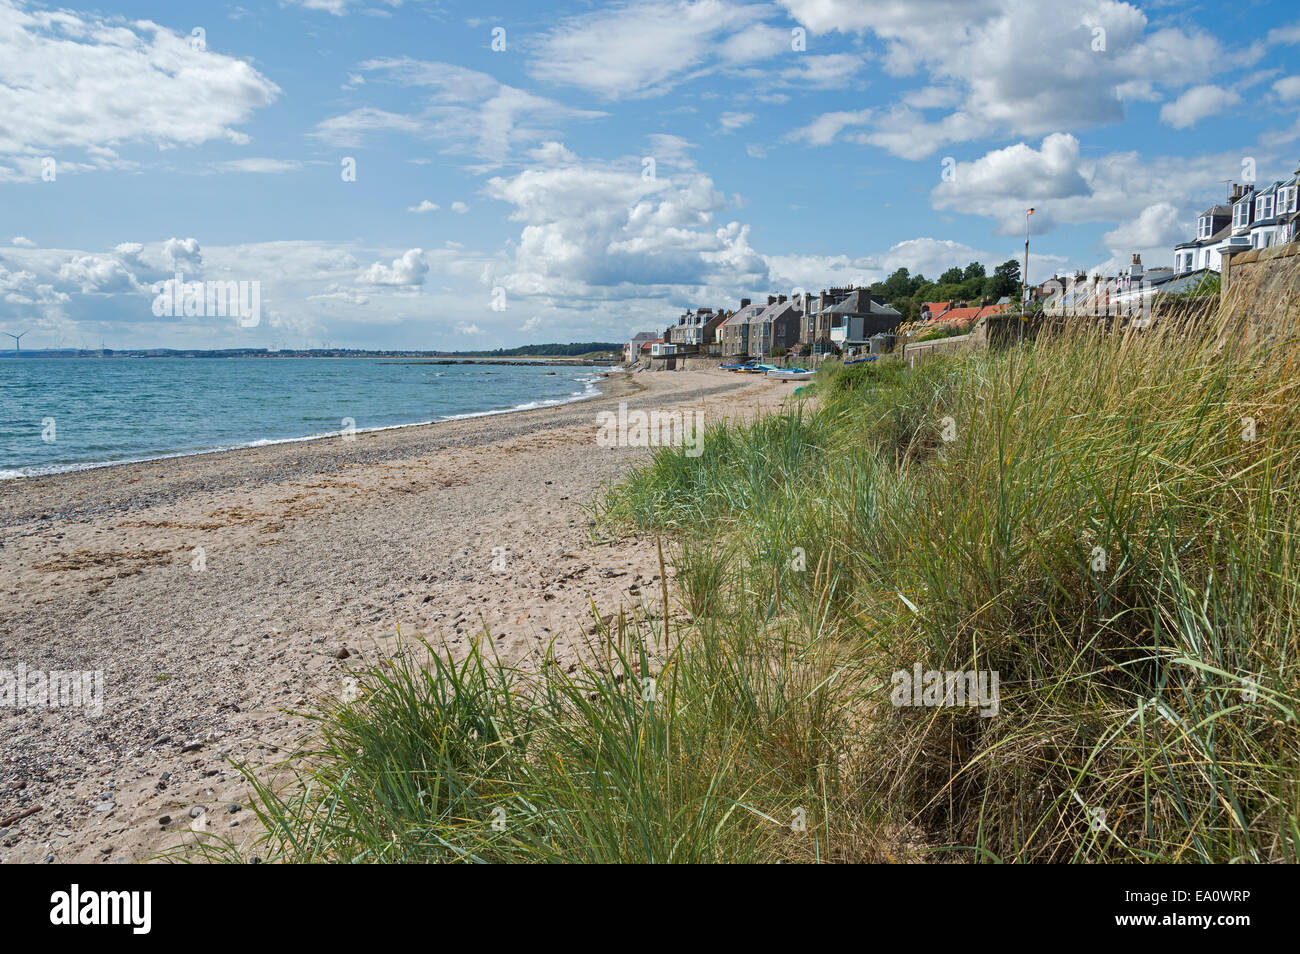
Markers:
<point>1029,212</point>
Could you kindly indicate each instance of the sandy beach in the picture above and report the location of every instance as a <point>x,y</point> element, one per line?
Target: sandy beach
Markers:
<point>216,592</point>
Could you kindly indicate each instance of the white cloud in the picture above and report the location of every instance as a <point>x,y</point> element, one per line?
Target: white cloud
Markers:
<point>825,128</point>
<point>1196,104</point>
<point>1019,67</point>
<point>1005,182</point>
<point>732,121</point>
<point>409,269</point>
<point>1285,35</point>
<point>465,111</point>
<point>23,242</point>
<point>647,48</point>
<point>1066,187</point>
<point>75,81</point>
<point>598,229</point>
<point>183,254</point>
<point>468,328</point>
<point>551,152</point>
<point>259,165</point>
<point>532,324</point>
<point>1157,226</point>
<point>460,208</point>
<point>424,206</point>
<point>1287,88</point>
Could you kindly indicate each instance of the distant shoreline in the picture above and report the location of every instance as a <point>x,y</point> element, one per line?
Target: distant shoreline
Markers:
<point>592,391</point>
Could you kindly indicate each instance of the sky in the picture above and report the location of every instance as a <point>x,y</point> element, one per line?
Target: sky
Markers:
<point>425,175</point>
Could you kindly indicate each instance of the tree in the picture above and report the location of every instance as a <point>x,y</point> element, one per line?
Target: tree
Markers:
<point>898,285</point>
<point>1006,280</point>
<point>973,270</point>
<point>952,276</point>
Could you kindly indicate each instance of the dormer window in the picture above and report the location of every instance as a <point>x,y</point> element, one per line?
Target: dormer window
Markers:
<point>1240,215</point>
<point>1204,227</point>
<point>1264,207</point>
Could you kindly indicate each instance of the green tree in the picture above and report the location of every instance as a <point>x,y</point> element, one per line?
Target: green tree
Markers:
<point>1006,280</point>
<point>898,285</point>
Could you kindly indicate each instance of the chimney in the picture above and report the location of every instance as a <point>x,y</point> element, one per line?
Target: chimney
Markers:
<point>780,299</point>
<point>1137,258</point>
<point>771,299</point>
<point>744,303</point>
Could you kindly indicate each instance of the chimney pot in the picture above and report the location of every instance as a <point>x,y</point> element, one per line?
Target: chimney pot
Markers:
<point>744,303</point>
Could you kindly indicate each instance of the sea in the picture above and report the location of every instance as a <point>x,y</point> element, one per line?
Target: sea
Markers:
<point>66,413</point>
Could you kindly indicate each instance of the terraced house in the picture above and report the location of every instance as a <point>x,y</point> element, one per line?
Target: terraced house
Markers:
<point>776,326</point>
<point>734,331</point>
<point>1252,219</point>
<point>696,331</point>
<point>845,318</point>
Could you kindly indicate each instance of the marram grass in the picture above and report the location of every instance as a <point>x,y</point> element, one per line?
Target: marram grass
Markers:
<point>1102,516</point>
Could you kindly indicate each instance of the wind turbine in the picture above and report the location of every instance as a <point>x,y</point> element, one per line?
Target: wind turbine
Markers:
<point>17,341</point>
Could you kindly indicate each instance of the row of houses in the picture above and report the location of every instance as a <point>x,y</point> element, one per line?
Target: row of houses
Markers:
<point>835,319</point>
<point>1251,219</point>
<point>841,319</point>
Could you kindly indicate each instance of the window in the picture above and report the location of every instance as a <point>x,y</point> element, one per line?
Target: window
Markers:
<point>1240,214</point>
<point>1264,207</point>
<point>1204,230</point>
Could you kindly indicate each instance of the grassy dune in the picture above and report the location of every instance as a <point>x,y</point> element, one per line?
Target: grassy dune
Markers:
<point>1105,519</point>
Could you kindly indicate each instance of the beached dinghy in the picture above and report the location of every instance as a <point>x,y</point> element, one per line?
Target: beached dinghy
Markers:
<point>791,374</point>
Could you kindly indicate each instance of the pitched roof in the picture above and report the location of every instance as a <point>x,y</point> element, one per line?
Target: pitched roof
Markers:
<point>777,310</point>
<point>744,315</point>
<point>859,303</point>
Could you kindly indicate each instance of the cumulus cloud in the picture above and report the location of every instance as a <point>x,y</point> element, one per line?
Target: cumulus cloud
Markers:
<point>183,254</point>
<point>423,206</point>
<point>1196,104</point>
<point>410,269</point>
<point>1066,187</point>
<point>460,208</point>
<point>1005,182</point>
<point>1019,67</point>
<point>1158,226</point>
<point>23,242</point>
<point>593,228</point>
<point>115,83</point>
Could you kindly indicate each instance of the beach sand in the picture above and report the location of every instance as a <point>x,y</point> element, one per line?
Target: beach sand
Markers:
<point>313,555</point>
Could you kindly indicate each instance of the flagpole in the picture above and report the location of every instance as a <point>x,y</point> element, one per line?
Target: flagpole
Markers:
<point>1024,281</point>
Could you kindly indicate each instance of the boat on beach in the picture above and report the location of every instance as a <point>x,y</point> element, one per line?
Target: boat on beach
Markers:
<point>791,374</point>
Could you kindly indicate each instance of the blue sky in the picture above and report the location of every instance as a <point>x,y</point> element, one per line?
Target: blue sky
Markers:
<point>605,165</point>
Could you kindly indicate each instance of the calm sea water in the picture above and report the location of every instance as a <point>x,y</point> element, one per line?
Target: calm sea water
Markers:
<point>107,410</point>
